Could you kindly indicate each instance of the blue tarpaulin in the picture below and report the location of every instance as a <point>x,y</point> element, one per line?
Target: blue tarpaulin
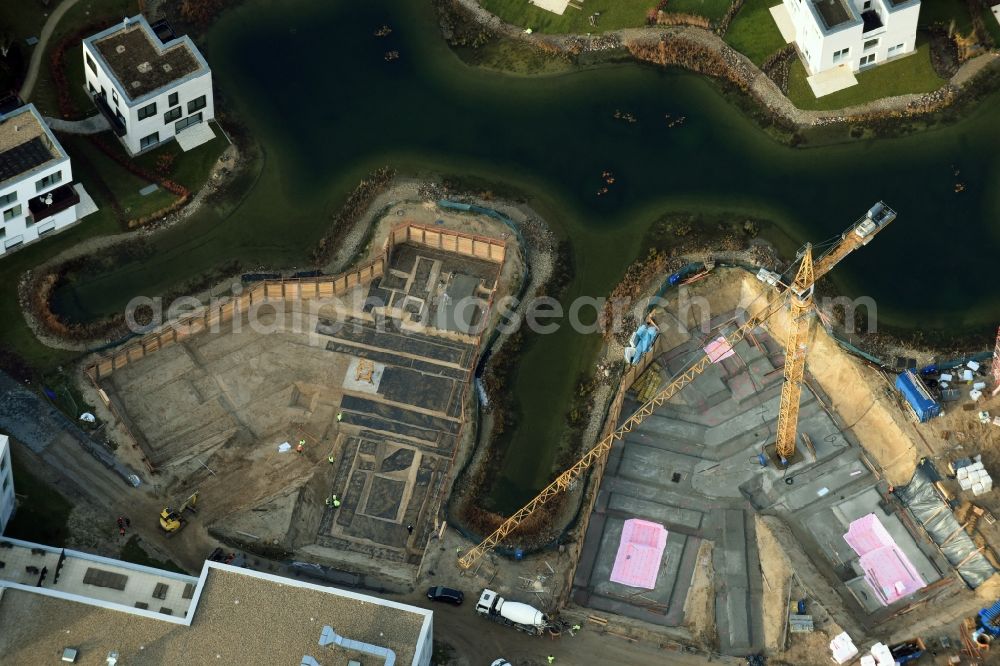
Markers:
<point>916,394</point>
<point>642,341</point>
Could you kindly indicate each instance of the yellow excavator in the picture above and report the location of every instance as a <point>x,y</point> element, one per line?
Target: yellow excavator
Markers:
<point>173,521</point>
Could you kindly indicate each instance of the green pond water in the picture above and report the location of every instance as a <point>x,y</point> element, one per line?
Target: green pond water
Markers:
<point>309,80</point>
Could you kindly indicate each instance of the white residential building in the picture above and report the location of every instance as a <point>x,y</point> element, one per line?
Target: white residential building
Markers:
<point>150,84</point>
<point>854,33</point>
<point>57,601</point>
<point>6,484</point>
<point>37,195</point>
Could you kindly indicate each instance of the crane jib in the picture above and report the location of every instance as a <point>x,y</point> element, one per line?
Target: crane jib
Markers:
<point>857,235</point>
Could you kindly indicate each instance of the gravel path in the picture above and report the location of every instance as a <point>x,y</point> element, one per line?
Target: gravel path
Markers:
<point>96,124</point>
<point>43,41</point>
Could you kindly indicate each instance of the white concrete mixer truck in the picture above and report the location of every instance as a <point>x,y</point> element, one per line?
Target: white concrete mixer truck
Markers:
<point>520,616</point>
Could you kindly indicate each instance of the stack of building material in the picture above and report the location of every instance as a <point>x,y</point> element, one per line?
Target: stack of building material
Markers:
<point>882,655</point>
<point>888,572</point>
<point>843,649</point>
<point>639,554</point>
<point>975,478</point>
<point>648,383</point>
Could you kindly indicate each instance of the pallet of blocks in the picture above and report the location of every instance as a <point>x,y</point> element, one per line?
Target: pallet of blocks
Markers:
<point>648,383</point>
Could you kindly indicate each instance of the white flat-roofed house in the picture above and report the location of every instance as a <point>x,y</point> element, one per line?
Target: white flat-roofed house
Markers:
<point>6,484</point>
<point>37,194</point>
<point>854,33</point>
<point>150,84</point>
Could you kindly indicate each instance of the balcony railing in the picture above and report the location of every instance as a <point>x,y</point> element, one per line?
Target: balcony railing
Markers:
<point>102,105</point>
<point>42,207</point>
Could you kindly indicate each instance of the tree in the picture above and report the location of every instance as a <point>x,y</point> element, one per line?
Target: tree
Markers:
<point>6,41</point>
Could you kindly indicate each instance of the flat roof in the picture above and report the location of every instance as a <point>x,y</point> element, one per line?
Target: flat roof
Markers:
<point>237,617</point>
<point>833,12</point>
<point>25,143</point>
<point>100,579</point>
<point>140,62</point>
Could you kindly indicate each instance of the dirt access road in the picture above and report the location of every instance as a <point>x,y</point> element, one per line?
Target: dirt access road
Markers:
<point>61,454</point>
<point>475,641</point>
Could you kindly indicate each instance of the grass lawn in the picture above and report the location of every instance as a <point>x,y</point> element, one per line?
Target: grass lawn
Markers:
<point>713,10</point>
<point>753,31</point>
<point>615,14</point>
<point>190,169</point>
<point>22,19</point>
<point>943,12</point>
<point>122,184</point>
<point>80,15</point>
<point>133,552</point>
<point>77,82</point>
<point>42,513</point>
<point>912,74</point>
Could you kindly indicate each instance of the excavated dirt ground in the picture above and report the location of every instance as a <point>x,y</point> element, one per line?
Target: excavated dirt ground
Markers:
<point>865,410</point>
<point>210,413</point>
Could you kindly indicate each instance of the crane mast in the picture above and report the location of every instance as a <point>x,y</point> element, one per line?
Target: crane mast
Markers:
<point>801,305</point>
<point>801,297</point>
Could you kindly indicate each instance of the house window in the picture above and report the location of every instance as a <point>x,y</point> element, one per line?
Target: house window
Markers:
<point>172,115</point>
<point>147,141</point>
<point>93,90</point>
<point>48,181</point>
<point>187,122</point>
<point>147,111</point>
<point>868,4</point>
<point>8,198</point>
<point>172,100</point>
<point>11,213</point>
<point>840,55</point>
<point>121,118</point>
<point>114,96</point>
<point>868,59</point>
<point>196,104</point>
<point>895,49</point>
<point>870,44</point>
<point>90,62</point>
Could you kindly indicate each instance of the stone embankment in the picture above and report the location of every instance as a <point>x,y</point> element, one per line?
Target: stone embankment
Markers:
<point>703,51</point>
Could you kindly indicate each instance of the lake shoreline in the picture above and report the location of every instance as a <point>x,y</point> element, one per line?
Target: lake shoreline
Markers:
<point>699,50</point>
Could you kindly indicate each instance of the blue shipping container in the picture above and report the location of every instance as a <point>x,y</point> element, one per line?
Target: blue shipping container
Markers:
<point>917,396</point>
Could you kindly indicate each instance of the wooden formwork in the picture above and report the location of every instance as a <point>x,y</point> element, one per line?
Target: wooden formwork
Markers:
<point>459,242</point>
<point>212,316</point>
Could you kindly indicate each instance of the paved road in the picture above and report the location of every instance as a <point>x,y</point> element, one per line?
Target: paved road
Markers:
<point>477,641</point>
<point>43,40</point>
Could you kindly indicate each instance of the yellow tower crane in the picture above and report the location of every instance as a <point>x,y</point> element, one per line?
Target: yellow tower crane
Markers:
<point>800,311</point>
<point>801,290</point>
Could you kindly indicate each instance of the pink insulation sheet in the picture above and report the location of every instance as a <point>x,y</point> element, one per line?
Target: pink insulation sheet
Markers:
<point>887,569</point>
<point>719,349</point>
<point>639,553</point>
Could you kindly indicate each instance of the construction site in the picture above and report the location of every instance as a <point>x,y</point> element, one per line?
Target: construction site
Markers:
<point>747,502</point>
<point>317,418</point>
<point>757,488</point>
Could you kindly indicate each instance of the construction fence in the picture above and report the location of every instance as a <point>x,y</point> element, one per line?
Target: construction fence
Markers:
<point>470,245</point>
<point>221,311</point>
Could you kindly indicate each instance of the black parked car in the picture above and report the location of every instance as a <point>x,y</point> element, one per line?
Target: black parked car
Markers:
<point>446,594</point>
